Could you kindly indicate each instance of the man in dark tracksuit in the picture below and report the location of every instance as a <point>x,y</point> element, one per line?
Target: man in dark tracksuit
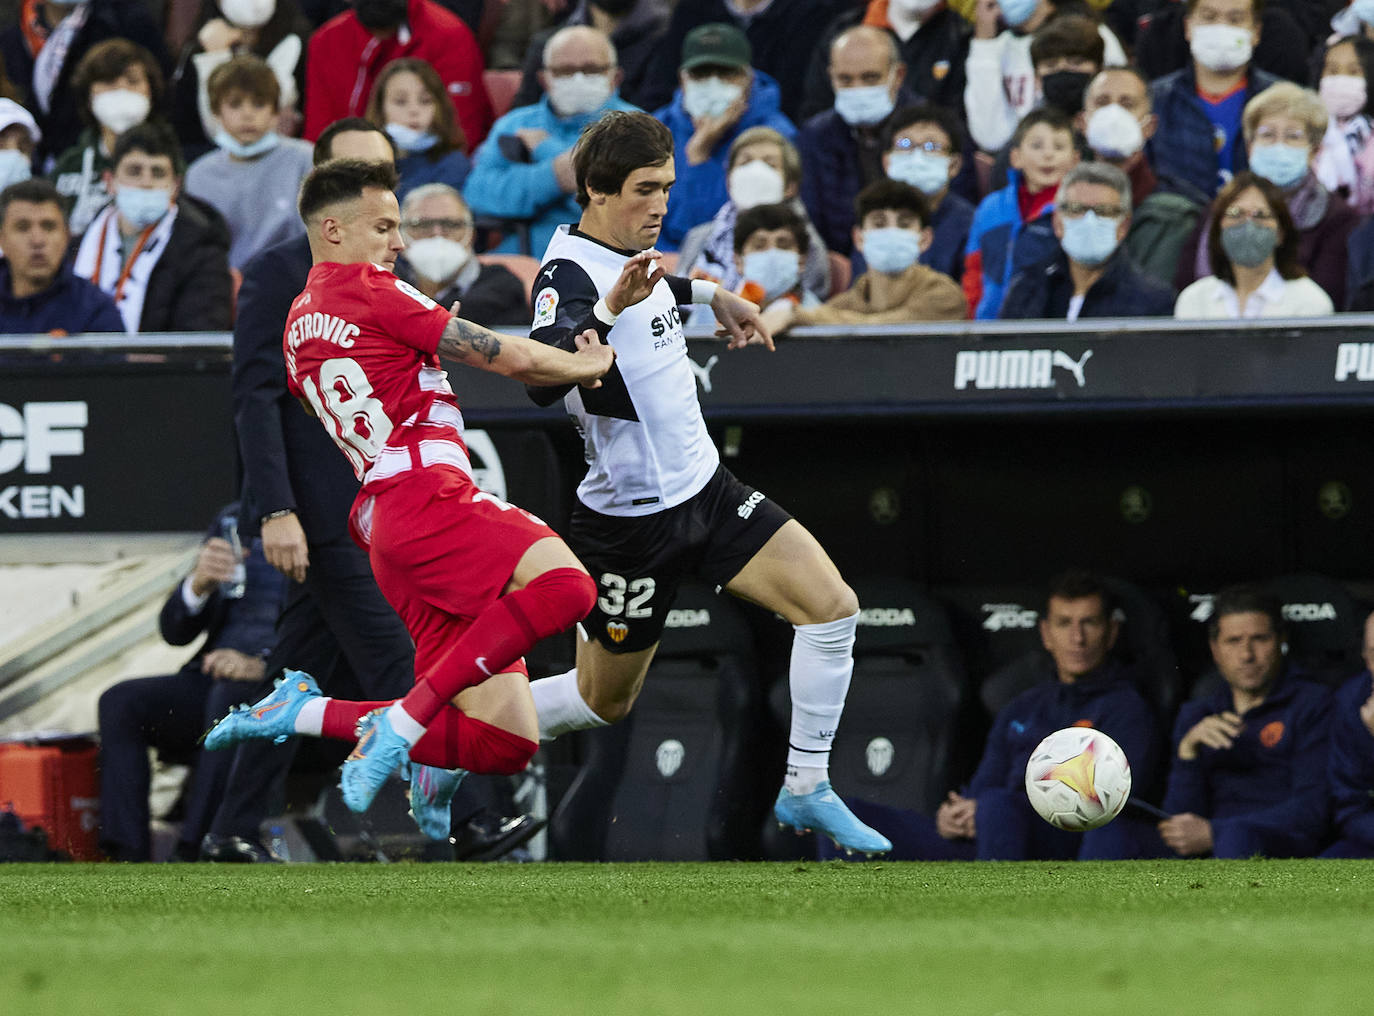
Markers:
<point>993,819</point>
<point>1249,767</point>
<point>1350,765</point>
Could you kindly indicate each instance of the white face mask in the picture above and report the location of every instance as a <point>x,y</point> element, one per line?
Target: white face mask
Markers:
<point>776,270</point>
<point>248,13</point>
<point>864,106</point>
<point>1114,132</point>
<point>1221,48</point>
<point>914,8</point>
<point>14,167</point>
<point>708,97</point>
<point>437,258</point>
<point>120,109</point>
<point>579,93</point>
<point>754,183</point>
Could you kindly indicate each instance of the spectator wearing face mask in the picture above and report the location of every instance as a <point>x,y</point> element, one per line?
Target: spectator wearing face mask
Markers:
<point>524,169</point>
<point>1003,81</point>
<point>19,137</point>
<point>932,39</point>
<point>347,52</point>
<point>1345,162</point>
<point>118,85</point>
<point>763,169</point>
<point>1092,274</point>
<point>720,97</point>
<point>893,227</point>
<point>408,102</point>
<point>923,145</point>
<point>436,226</point>
<point>254,174</point>
<point>1253,250</point>
<point>274,30</point>
<point>842,147</point>
<point>1283,128</point>
<point>1117,121</point>
<point>771,244</point>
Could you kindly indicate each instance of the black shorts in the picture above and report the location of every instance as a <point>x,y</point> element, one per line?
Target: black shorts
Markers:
<point>638,562</point>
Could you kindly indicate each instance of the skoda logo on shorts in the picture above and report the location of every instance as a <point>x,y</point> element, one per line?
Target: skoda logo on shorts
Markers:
<point>878,755</point>
<point>617,630</point>
<point>669,757</point>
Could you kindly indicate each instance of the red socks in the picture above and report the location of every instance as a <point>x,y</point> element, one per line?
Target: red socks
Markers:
<point>452,740</point>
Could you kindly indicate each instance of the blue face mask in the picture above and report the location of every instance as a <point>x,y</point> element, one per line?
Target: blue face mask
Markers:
<point>408,139</point>
<point>1088,239</point>
<point>891,249</point>
<point>1283,165</point>
<point>1364,10</point>
<point>864,106</point>
<point>252,150</point>
<point>777,271</point>
<point>14,167</point>
<point>1017,12</point>
<point>143,205</point>
<point>927,172</point>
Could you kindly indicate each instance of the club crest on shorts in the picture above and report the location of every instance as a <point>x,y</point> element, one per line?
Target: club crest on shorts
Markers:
<point>617,630</point>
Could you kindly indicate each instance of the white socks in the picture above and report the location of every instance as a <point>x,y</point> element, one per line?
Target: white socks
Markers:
<point>560,706</point>
<point>822,663</point>
<point>310,720</point>
<point>405,724</point>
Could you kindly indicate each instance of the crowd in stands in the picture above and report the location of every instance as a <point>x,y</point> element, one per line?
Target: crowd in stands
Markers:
<point>1218,151</point>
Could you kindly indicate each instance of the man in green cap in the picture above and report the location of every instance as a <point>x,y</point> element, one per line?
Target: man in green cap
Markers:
<point>719,96</point>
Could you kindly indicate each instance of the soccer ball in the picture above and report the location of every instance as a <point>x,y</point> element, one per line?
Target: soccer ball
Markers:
<point>1078,779</point>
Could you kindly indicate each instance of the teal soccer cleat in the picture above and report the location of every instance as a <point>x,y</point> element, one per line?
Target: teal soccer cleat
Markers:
<point>271,719</point>
<point>823,811</point>
<point>431,793</point>
<point>380,751</point>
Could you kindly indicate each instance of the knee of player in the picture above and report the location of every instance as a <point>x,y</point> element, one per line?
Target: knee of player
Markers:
<point>840,603</point>
<point>610,707</point>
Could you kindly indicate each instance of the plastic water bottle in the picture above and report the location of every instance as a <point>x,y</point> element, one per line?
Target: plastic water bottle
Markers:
<point>276,842</point>
<point>234,587</point>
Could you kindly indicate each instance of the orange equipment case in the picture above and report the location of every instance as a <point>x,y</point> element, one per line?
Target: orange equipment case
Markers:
<point>54,785</point>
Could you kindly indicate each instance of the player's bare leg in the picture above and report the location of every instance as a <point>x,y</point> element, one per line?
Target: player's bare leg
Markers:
<point>793,576</point>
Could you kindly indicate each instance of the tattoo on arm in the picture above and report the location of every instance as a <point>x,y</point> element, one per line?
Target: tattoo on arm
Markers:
<point>469,343</point>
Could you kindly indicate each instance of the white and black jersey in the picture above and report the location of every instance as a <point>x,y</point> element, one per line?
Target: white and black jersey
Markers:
<point>646,443</point>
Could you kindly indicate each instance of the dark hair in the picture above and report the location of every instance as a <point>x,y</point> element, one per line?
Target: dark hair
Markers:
<point>1070,35</point>
<point>1256,6</point>
<point>37,191</point>
<point>779,216</point>
<point>613,147</point>
<point>1285,254</point>
<point>324,144</point>
<point>1245,599</point>
<point>1079,584</point>
<point>1049,116</point>
<point>446,125</point>
<point>925,112</point>
<point>150,138</point>
<point>1364,52</point>
<point>106,61</point>
<point>341,180</point>
<point>248,75</point>
<point>886,193</point>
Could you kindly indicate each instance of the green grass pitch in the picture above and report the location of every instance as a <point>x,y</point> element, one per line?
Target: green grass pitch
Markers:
<point>1199,937</point>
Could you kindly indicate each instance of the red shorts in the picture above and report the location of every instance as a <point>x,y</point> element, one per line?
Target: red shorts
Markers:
<point>442,551</point>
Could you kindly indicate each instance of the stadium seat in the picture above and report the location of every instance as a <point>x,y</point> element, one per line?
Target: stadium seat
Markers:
<point>994,624</point>
<point>522,266</point>
<point>501,87</point>
<point>677,780</point>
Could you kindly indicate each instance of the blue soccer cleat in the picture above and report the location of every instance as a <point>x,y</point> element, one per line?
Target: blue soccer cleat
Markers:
<point>823,811</point>
<point>380,751</point>
<point>431,793</point>
<point>271,719</point>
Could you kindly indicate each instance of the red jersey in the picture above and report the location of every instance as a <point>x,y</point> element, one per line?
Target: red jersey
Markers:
<point>360,346</point>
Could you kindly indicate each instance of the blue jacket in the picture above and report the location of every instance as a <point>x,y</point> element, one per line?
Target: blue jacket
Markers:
<point>416,170</point>
<point>1273,776</point>
<point>1000,245</point>
<point>506,189</point>
<point>1043,291</point>
<point>1350,768</point>
<point>949,228</point>
<point>700,190</point>
<point>71,305</point>
<point>1106,701</point>
<point>1182,143</point>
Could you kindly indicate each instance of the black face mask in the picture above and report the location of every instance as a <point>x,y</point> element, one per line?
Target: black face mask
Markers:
<point>615,8</point>
<point>1064,90</point>
<point>375,15</point>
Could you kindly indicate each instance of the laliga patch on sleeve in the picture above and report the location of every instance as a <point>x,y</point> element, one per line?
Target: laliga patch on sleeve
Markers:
<point>545,307</point>
<point>415,294</point>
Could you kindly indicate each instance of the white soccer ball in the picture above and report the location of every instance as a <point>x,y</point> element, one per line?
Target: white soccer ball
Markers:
<point>1078,779</point>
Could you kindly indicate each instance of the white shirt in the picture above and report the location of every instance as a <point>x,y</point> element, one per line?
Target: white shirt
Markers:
<point>1211,299</point>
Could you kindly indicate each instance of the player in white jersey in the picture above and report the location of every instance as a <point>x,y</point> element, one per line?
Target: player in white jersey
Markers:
<point>656,504</point>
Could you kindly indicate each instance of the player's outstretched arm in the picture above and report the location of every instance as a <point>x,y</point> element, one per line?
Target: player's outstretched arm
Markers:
<point>522,359</point>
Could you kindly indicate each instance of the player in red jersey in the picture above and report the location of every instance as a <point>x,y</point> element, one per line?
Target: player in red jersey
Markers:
<point>477,581</point>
